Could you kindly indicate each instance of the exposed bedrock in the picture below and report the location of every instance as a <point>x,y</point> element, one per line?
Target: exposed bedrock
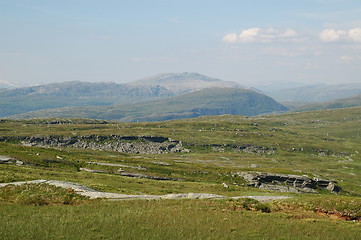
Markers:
<point>126,144</point>
<point>288,183</point>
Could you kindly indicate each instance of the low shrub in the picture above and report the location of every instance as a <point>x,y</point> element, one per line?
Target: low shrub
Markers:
<point>248,204</point>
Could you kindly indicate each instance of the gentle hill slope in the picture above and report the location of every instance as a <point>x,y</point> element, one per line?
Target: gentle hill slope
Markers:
<point>21,100</point>
<point>339,103</point>
<point>213,101</point>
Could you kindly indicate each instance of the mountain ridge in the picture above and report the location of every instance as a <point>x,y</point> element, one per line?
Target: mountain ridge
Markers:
<point>76,93</point>
<point>210,101</point>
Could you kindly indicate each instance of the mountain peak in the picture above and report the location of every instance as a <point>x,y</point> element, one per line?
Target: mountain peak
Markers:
<point>8,85</point>
<point>184,82</point>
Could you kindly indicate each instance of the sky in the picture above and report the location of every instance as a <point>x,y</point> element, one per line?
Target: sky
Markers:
<point>251,42</point>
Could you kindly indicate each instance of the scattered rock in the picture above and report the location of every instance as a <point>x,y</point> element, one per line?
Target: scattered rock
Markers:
<point>19,163</point>
<point>10,160</point>
<point>6,159</point>
<point>162,163</point>
<point>91,170</point>
<point>225,185</point>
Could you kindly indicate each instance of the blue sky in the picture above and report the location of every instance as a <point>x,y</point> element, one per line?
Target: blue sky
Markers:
<point>250,42</point>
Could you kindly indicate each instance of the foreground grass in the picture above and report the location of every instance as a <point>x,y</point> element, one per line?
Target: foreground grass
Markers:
<point>38,195</point>
<point>180,219</point>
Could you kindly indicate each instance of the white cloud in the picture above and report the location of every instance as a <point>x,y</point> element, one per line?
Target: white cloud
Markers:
<point>289,33</point>
<point>230,38</point>
<point>333,35</point>
<point>355,34</point>
<point>261,35</point>
<point>249,35</point>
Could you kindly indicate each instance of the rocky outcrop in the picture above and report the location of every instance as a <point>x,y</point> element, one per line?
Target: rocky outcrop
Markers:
<point>10,160</point>
<point>125,144</point>
<point>288,183</point>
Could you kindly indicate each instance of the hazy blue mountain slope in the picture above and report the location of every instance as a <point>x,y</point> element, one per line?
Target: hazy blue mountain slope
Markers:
<point>21,100</point>
<point>213,101</point>
<point>66,94</point>
<point>339,103</point>
<point>316,93</point>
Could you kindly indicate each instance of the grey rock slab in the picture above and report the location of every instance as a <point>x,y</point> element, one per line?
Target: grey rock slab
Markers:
<point>192,196</point>
<point>5,159</point>
<point>24,182</point>
<point>91,170</point>
<point>75,186</point>
<point>92,194</point>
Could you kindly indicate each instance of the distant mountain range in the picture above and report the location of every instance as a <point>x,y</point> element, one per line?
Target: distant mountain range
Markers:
<point>168,96</point>
<point>315,93</point>
<point>339,103</point>
<point>22,100</point>
<point>210,101</point>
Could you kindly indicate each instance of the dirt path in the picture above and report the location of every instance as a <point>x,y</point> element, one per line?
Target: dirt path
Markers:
<point>92,194</point>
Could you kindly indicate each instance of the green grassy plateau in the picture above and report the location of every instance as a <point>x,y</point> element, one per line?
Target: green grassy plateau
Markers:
<point>324,144</point>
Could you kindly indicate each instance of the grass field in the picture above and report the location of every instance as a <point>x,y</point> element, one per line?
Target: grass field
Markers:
<point>323,144</point>
<point>169,219</point>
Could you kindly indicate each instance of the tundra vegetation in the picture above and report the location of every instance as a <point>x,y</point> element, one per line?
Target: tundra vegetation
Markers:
<point>201,155</point>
